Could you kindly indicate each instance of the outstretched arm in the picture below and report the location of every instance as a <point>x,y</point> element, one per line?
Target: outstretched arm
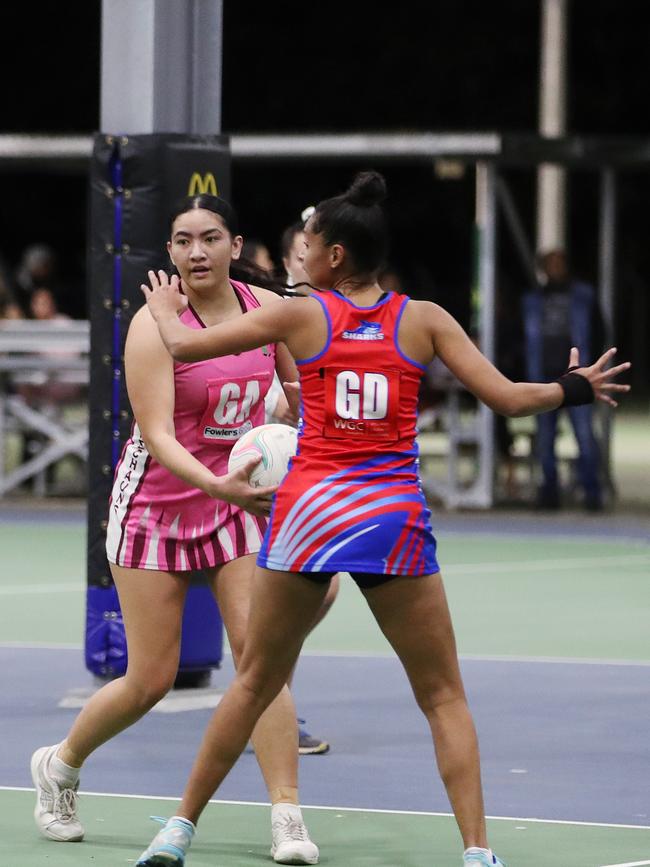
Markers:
<point>502,395</point>
<point>267,324</point>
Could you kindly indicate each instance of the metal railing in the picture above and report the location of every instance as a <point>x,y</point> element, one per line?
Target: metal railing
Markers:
<point>44,367</point>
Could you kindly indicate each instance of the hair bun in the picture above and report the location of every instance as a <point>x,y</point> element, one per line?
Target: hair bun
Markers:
<point>367,189</point>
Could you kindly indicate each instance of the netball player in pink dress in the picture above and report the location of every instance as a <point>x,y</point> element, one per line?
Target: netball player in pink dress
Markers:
<point>174,508</point>
<point>352,500</point>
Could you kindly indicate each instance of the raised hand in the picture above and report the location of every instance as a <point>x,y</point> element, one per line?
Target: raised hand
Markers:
<point>599,376</point>
<point>164,295</point>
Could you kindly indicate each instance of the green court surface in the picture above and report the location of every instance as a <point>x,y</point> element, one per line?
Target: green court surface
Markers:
<point>237,835</point>
<point>542,596</point>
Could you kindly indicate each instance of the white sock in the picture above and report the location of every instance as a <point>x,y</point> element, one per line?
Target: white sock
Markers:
<point>292,810</point>
<point>183,819</point>
<point>477,850</point>
<point>63,773</point>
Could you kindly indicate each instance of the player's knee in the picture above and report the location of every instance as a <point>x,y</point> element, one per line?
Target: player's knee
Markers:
<point>434,695</point>
<point>260,687</point>
<point>148,691</point>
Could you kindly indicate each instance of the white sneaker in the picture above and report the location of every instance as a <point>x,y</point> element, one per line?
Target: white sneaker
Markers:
<point>55,813</point>
<point>476,857</point>
<point>291,843</point>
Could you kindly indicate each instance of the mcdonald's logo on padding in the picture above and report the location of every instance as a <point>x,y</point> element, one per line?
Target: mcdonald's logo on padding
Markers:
<point>202,185</point>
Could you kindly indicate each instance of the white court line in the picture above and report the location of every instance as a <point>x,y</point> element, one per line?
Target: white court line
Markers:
<point>629,864</point>
<point>41,589</point>
<point>356,810</point>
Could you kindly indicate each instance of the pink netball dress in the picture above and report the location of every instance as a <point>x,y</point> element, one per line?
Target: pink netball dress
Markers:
<point>352,499</point>
<point>158,521</point>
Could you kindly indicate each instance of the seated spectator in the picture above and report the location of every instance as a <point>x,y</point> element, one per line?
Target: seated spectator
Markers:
<point>8,307</point>
<point>10,310</point>
<point>48,386</point>
<point>255,251</point>
<point>47,390</point>
<point>37,269</point>
<point>43,305</point>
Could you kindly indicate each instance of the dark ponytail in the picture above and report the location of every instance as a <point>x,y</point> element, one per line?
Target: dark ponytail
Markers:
<point>367,189</point>
<point>355,219</point>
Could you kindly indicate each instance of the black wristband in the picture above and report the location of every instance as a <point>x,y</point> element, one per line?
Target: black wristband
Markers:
<point>576,387</point>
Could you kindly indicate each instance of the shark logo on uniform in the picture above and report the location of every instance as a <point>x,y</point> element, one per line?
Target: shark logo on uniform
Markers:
<point>365,331</point>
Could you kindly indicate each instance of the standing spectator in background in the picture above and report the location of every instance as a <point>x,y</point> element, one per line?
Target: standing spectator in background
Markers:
<point>560,313</point>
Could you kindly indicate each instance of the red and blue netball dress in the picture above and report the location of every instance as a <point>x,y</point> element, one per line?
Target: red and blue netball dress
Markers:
<point>352,499</point>
<point>158,521</point>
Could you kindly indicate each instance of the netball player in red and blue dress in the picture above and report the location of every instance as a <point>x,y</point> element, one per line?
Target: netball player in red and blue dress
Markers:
<point>352,499</point>
<point>174,509</point>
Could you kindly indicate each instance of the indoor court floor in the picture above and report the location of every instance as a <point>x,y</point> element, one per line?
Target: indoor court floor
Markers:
<point>551,616</point>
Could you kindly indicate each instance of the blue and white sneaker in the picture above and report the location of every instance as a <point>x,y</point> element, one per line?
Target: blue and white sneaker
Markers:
<point>169,847</point>
<point>475,857</point>
<point>308,745</point>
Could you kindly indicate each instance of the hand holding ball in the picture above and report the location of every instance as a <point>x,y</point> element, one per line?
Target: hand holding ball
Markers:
<point>276,444</point>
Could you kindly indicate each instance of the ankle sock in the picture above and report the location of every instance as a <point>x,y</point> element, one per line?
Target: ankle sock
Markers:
<point>183,819</point>
<point>477,850</point>
<point>292,810</point>
<point>63,773</point>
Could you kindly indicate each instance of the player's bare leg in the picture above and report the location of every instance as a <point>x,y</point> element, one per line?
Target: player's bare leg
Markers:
<point>152,607</point>
<point>283,607</point>
<point>414,616</point>
<point>275,737</point>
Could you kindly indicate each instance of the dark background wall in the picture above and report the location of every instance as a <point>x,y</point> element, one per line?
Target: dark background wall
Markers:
<point>351,67</point>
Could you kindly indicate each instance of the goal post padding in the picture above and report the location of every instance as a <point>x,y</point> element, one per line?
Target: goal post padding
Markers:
<point>135,181</point>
